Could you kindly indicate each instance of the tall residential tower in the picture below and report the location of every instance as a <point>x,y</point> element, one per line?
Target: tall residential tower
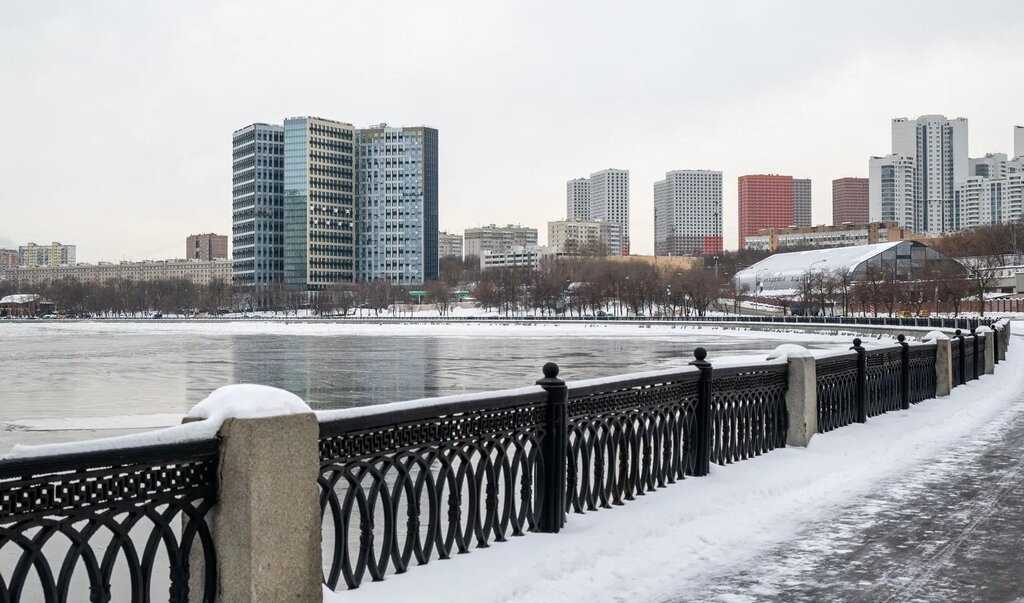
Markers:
<point>609,200</point>
<point>850,201</point>
<point>688,213</point>
<point>939,148</point>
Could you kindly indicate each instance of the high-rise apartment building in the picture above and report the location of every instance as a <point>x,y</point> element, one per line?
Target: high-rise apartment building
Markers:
<point>257,215</point>
<point>397,204</point>
<point>802,202</point>
<point>206,247</point>
<point>892,190</point>
<point>850,201</point>
<point>577,200</point>
<point>1018,141</point>
<point>8,259</point>
<point>54,254</point>
<point>498,239</point>
<point>575,237</point>
<point>449,245</point>
<point>688,213</point>
<point>319,203</point>
<point>939,148</point>
<point>768,201</point>
<point>992,165</point>
<point>609,200</point>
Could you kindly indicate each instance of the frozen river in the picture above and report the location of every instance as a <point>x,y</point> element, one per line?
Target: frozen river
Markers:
<point>64,381</point>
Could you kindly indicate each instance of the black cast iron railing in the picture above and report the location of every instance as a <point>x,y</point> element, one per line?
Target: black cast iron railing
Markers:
<point>409,483</point>
<point>957,359</point>
<point>630,437</point>
<point>748,411</point>
<point>399,487</point>
<point>123,525</point>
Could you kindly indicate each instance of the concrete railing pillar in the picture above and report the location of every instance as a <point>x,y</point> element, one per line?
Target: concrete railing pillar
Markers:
<point>801,393</point>
<point>266,524</point>
<point>943,362</point>
<point>989,361</point>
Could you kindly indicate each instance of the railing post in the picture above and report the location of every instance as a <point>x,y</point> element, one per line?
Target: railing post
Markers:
<point>975,354</point>
<point>552,515</point>
<point>943,362</point>
<point>995,344</point>
<point>904,372</point>
<point>988,358</point>
<point>963,360</point>
<point>801,393</point>
<point>862,381</point>
<point>702,466</point>
<point>266,526</point>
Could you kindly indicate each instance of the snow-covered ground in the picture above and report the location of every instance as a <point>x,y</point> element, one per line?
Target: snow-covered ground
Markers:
<point>651,548</point>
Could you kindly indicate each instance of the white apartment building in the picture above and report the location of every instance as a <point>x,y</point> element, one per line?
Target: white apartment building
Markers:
<point>449,245</point>
<point>609,200</point>
<point>197,271</point>
<point>577,200</point>
<point>518,256</point>
<point>688,213</point>
<point>802,202</point>
<point>573,237</point>
<point>992,165</point>
<point>939,148</point>
<point>497,239</point>
<point>892,187</point>
<point>980,200</point>
<point>54,254</point>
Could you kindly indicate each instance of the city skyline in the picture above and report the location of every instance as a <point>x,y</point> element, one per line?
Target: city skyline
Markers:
<point>143,158</point>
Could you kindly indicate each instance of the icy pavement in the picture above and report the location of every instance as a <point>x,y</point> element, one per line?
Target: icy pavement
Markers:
<point>950,530</point>
<point>923,504</point>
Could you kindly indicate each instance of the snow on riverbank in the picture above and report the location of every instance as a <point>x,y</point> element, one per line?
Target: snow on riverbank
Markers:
<point>414,329</point>
<point>649,549</point>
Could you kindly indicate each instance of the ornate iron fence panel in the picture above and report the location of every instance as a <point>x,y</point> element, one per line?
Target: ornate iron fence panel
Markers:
<point>628,438</point>
<point>883,379</point>
<point>955,352</point>
<point>837,391</point>
<point>120,525</point>
<point>398,487</point>
<point>748,412</point>
<point>922,372</point>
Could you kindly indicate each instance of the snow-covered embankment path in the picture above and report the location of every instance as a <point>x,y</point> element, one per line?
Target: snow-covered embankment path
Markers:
<point>662,545</point>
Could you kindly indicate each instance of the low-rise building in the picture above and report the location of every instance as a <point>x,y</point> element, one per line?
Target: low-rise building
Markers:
<point>199,272</point>
<point>825,236</point>
<point>519,256</point>
<point>25,304</point>
<point>571,237</point>
<point>206,247</point>
<point>449,245</point>
<point>498,239</point>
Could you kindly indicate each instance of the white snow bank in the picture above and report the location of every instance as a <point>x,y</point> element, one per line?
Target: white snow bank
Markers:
<point>649,549</point>
<point>152,421</point>
<point>363,411</point>
<point>245,401</point>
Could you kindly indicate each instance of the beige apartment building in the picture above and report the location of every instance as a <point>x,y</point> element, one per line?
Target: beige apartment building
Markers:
<point>573,237</point>
<point>206,247</point>
<point>8,259</point>
<point>197,271</point>
<point>824,236</point>
<point>54,254</point>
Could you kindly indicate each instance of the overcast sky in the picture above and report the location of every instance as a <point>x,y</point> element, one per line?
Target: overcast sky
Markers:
<point>118,115</point>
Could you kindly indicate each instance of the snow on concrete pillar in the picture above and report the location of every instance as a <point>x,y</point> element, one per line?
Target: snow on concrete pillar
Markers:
<point>943,362</point>
<point>801,393</point>
<point>266,525</point>
<point>990,352</point>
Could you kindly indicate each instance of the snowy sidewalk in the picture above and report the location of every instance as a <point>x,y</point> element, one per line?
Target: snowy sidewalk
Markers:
<point>924,503</point>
